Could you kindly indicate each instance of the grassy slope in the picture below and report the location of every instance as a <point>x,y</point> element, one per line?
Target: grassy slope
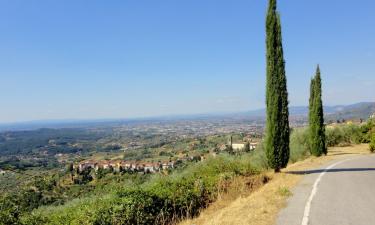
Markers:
<point>190,186</point>
<point>262,206</point>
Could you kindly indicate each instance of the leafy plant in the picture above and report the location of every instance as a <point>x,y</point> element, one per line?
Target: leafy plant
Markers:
<point>284,191</point>
<point>372,143</point>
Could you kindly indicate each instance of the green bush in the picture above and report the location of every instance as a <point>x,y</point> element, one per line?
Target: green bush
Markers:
<point>372,143</point>
<point>338,136</point>
<point>334,136</point>
<point>367,130</point>
<point>9,211</point>
<point>259,158</point>
<point>347,134</point>
<point>299,145</point>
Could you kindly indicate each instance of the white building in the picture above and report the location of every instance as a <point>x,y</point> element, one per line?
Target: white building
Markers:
<point>86,165</point>
<point>238,147</point>
<point>253,145</point>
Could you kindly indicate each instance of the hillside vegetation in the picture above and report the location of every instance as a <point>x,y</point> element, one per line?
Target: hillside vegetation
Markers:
<point>158,198</point>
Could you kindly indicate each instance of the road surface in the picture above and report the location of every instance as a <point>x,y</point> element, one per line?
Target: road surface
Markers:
<point>341,193</point>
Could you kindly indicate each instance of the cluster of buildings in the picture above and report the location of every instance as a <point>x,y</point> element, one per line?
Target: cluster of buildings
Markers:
<point>126,166</point>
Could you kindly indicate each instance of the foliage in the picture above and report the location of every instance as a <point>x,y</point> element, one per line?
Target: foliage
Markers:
<point>284,191</point>
<point>83,177</point>
<point>259,158</point>
<point>316,117</point>
<point>338,136</point>
<point>372,143</point>
<point>112,147</point>
<point>23,150</point>
<point>347,134</point>
<point>22,163</point>
<point>247,147</point>
<point>299,144</point>
<point>368,128</point>
<point>161,200</point>
<point>9,211</point>
<point>57,140</point>
<point>277,127</point>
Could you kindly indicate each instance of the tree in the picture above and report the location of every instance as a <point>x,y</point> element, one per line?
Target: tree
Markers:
<point>247,147</point>
<point>312,117</point>
<point>311,100</point>
<point>70,169</point>
<point>100,173</point>
<point>316,118</point>
<point>229,149</point>
<point>277,128</point>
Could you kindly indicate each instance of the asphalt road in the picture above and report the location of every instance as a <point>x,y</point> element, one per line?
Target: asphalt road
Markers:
<point>341,193</point>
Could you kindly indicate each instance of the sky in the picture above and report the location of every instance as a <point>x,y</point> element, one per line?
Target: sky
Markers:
<point>76,59</point>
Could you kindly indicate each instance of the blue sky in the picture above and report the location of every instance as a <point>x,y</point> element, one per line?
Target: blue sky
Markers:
<point>122,59</point>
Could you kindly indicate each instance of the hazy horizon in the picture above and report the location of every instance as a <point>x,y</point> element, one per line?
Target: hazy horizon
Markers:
<point>163,116</point>
<point>126,59</point>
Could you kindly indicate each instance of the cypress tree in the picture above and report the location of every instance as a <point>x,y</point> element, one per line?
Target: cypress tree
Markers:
<point>316,117</point>
<point>311,115</point>
<point>277,125</point>
<point>311,100</point>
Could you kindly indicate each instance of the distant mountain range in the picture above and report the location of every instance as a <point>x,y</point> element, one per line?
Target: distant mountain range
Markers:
<point>361,110</point>
<point>354,111</point>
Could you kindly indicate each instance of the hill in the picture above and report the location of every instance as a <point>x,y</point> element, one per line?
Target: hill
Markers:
<point>354,111</point>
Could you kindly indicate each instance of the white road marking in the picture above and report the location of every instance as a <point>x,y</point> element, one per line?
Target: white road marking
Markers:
<point>306,214</point>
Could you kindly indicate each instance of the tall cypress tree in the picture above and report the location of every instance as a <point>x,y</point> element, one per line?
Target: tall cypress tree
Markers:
<point>311,100</point>
<point>316,117</point>
<point>312,116</point>
<point>277,125</point>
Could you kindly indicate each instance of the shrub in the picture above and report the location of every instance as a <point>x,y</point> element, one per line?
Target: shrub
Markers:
<point>367,130</point>
<point>284,191</point>
<point>299,145</point>
<point>9,211</point>
<point>372,143</point>
<point>259,158</point>
<point>346,135</point>
<point>333,136</point>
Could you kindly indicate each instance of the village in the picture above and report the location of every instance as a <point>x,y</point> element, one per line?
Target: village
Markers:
<point>125,166</point>
<point>154,167</point>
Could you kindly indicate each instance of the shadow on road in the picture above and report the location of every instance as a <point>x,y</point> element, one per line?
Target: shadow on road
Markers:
<point>304,172</point>
<point>343,153</point>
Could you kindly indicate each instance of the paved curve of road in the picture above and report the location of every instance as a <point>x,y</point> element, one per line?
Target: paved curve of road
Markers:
<point>343,194</point>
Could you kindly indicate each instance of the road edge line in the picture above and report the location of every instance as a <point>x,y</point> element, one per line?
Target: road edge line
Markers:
<point>306,214</point>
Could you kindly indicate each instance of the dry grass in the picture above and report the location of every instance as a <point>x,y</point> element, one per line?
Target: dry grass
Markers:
<point>261,206</point>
